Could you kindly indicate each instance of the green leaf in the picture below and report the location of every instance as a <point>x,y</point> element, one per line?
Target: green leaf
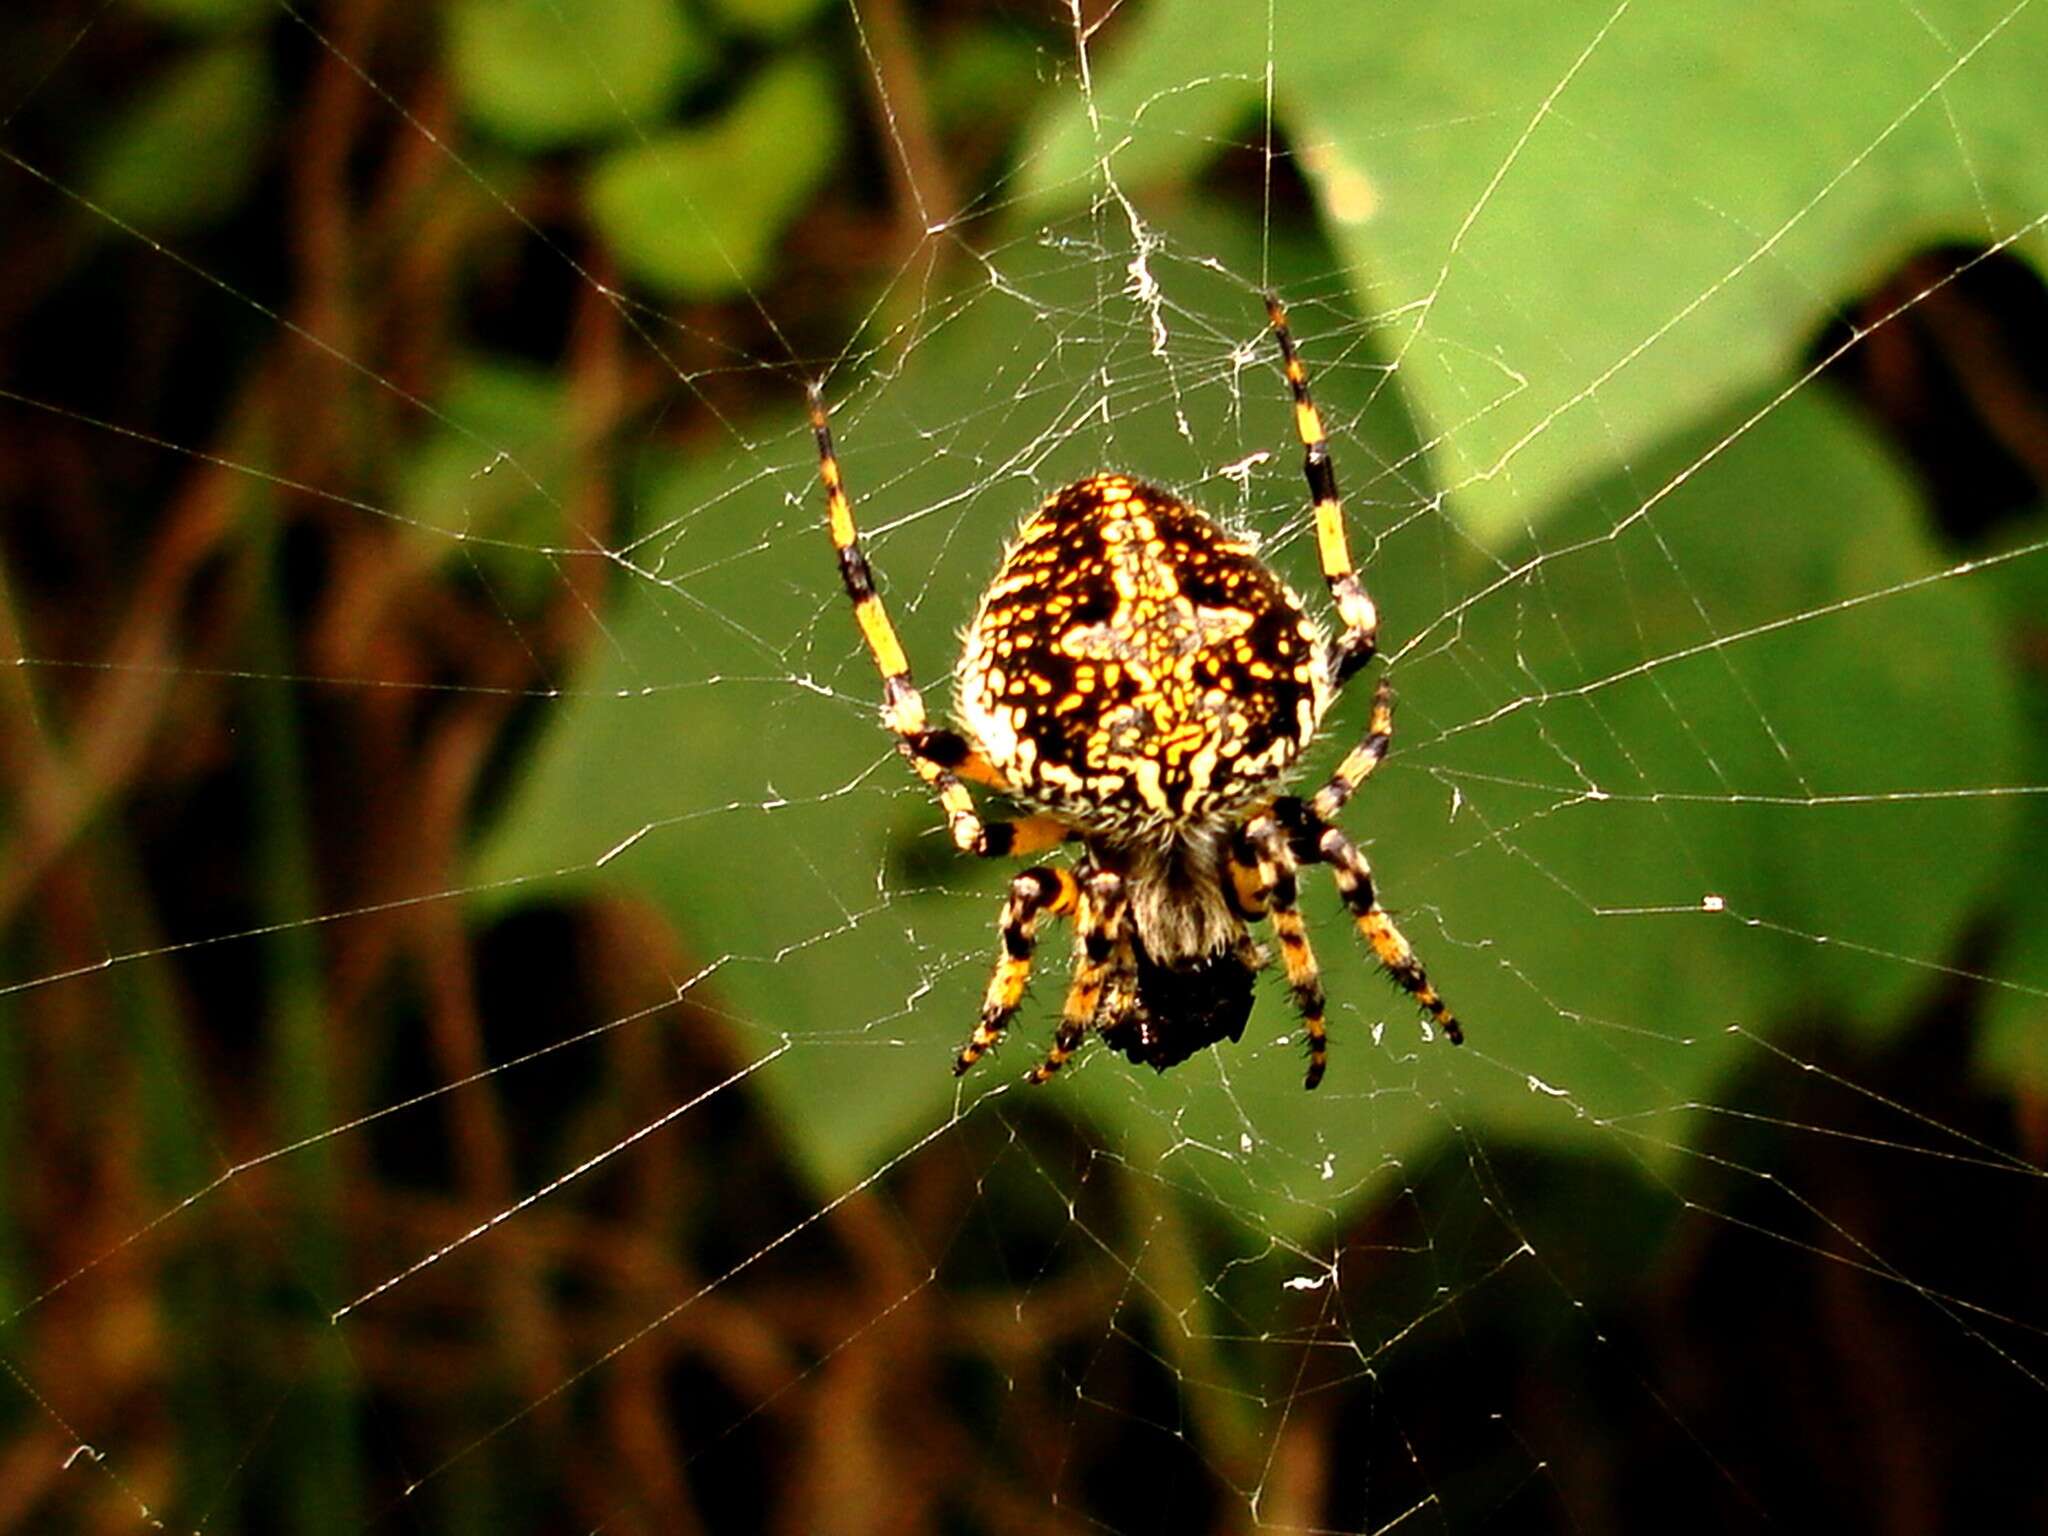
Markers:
<point>1654,712</point>
<point>1725,730</point>
<point>541,73</point>
<point>185,151</point>
<point>1570,266</point>
<point>696,213</point>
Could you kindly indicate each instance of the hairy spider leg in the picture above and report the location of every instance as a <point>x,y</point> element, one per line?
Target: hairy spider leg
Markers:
<point>935,755</point>
<point>1098,931</point>
<point>1360,761</point>
<point>1396,957</point>
<point>1352,650</point>
<point>1279,895</point>
<point>1361,620</point>
<point>1120,986</point>
<point>1035,894</point>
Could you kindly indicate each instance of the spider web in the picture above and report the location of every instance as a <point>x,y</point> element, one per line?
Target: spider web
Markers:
<point>538,1114</point>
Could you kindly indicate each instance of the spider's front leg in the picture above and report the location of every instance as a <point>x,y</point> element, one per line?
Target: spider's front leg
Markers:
<point>1361,620</point>
<point>927,750</point>
<point>1035,894</point>
<point>1099,930</point>
<point>1278,895</point>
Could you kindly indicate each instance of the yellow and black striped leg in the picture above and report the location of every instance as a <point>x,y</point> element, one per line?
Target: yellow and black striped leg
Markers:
<point>949,749</point>
<point>903,709</point>
<point>1360,761</point>
<point>1355,647</point>
<point>1279,895</point>
<point>1035,894</point>
<point>1099,931</point>
<point>1396,958</point>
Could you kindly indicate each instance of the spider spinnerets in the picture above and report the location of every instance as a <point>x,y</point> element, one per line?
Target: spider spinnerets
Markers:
<point>1142,682</point>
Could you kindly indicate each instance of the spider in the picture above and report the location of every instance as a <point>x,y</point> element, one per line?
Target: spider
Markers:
<point>1141,682</point>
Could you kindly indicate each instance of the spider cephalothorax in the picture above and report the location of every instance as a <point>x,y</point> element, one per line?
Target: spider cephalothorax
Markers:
<point>1143,682</point>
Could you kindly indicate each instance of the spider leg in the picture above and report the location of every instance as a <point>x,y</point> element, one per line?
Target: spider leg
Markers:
<point>1396,957</point>
<point>1360,761</point>
<point>1361,620</point>
<point>1279,897</point>
<point>1034,895</point>
<point>928,751</point>
<point>949,749</point>
<point>1119,987</point>
<point>1098,930</point>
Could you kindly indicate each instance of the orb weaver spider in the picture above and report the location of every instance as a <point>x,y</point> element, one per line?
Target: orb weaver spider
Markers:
<point>1141,682</point>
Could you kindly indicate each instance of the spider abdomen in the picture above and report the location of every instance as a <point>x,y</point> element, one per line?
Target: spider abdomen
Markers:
<point>1135,666</point>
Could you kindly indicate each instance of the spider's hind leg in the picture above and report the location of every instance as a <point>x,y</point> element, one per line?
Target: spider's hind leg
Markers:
<point>1035,894</point>
<point>1272,856</point>
<point>1100,925</point>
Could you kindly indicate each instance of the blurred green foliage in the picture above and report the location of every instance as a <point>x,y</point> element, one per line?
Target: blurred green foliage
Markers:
<point>464,496</point>
<point>691,210</point>
<point>769,18</point>
<point>696,212</point>
<point>185,151</point>
<point>207,15</point>
<point>541,76</point>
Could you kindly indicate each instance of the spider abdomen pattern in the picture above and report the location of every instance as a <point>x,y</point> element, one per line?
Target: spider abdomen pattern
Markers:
<point>1134,666</point>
